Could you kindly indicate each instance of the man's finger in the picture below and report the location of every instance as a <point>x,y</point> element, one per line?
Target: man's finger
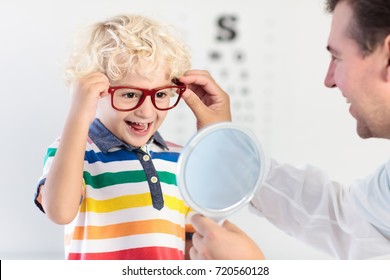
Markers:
<point>202,224</point>
<point>193,101</point>
<point>231,227</point>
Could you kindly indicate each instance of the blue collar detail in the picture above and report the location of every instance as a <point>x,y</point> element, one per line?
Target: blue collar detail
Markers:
<point>105,139</point>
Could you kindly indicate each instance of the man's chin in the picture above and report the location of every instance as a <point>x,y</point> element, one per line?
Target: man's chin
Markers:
<point>364,132</point>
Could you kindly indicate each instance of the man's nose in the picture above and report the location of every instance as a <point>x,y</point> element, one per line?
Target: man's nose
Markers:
<point>329,78</point>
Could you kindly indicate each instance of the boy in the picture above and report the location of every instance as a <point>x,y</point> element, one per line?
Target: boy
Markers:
<point>110,177</point>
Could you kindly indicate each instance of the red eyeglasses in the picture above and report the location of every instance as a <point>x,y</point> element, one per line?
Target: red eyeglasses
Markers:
<point>125,98</point>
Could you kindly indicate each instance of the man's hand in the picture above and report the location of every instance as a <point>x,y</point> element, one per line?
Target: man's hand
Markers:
<point>227,242</point>
<point>207,100</point>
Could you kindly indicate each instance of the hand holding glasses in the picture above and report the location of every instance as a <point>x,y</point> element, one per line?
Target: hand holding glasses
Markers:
<point>125,98</point>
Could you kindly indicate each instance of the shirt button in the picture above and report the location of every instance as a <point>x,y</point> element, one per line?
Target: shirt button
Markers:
<point>154,179</point>
<point>146,158</point>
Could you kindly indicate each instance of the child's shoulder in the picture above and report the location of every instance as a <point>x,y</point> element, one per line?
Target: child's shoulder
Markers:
<point>55,143</point>
<point>173,147</point>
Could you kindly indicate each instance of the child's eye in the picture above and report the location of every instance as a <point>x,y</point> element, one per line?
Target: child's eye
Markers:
<point>161,94</point>
<point>129,95</point>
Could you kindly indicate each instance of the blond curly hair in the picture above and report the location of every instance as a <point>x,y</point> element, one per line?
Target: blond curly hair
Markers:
<point>126,45</point>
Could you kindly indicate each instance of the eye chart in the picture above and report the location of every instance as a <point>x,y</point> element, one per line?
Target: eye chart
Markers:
<point>239,44</point>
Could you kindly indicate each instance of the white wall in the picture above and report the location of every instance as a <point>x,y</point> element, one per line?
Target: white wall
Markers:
<point>282,45</point>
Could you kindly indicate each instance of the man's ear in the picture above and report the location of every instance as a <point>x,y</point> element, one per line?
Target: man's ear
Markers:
<point>387,53</point>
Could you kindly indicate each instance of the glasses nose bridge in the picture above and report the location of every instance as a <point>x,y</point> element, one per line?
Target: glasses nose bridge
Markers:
<point>148,92</point>
<point>145,94</point>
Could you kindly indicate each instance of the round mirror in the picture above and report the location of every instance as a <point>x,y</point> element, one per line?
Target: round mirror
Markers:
<point>219,169</point>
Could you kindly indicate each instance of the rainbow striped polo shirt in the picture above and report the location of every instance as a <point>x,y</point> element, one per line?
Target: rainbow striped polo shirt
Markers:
<point>131,207</point>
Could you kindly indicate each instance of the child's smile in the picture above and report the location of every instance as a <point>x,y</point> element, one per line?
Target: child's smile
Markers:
<point>139,128</point>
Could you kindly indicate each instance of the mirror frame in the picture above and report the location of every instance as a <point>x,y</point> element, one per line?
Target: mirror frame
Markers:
<point>217,214</point>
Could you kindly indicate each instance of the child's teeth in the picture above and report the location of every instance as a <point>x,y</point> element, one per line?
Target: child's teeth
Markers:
<point>145,125</point>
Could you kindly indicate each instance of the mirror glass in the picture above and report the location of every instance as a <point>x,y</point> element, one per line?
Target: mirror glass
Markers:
<point>219,169</point>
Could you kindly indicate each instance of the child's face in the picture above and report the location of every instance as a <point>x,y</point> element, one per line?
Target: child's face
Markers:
<point>137,126</point>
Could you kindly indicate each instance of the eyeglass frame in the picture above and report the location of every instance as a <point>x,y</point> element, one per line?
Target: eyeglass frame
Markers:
<point>149,92</point>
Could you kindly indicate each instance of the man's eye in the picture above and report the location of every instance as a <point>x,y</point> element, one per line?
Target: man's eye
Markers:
<point>334,58</point>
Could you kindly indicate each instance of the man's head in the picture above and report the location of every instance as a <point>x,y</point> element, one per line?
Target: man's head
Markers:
<point>359,42</point>
<point>370,24</point>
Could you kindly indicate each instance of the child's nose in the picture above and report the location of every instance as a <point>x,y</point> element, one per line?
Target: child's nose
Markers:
<point>147,108</point>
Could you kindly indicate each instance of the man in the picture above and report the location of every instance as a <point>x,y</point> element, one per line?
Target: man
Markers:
<point>346,223</point>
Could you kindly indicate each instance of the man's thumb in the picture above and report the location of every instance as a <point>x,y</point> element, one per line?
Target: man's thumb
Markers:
<point>193,101</point>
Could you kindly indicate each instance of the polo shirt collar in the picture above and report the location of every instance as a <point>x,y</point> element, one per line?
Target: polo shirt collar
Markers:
<point>105,140</point>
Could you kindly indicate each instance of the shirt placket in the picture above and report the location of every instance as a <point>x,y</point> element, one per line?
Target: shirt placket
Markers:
<point>152,178</point>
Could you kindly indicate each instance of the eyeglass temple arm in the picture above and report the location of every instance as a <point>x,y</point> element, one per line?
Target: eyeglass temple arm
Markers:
<point>177,82</point>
